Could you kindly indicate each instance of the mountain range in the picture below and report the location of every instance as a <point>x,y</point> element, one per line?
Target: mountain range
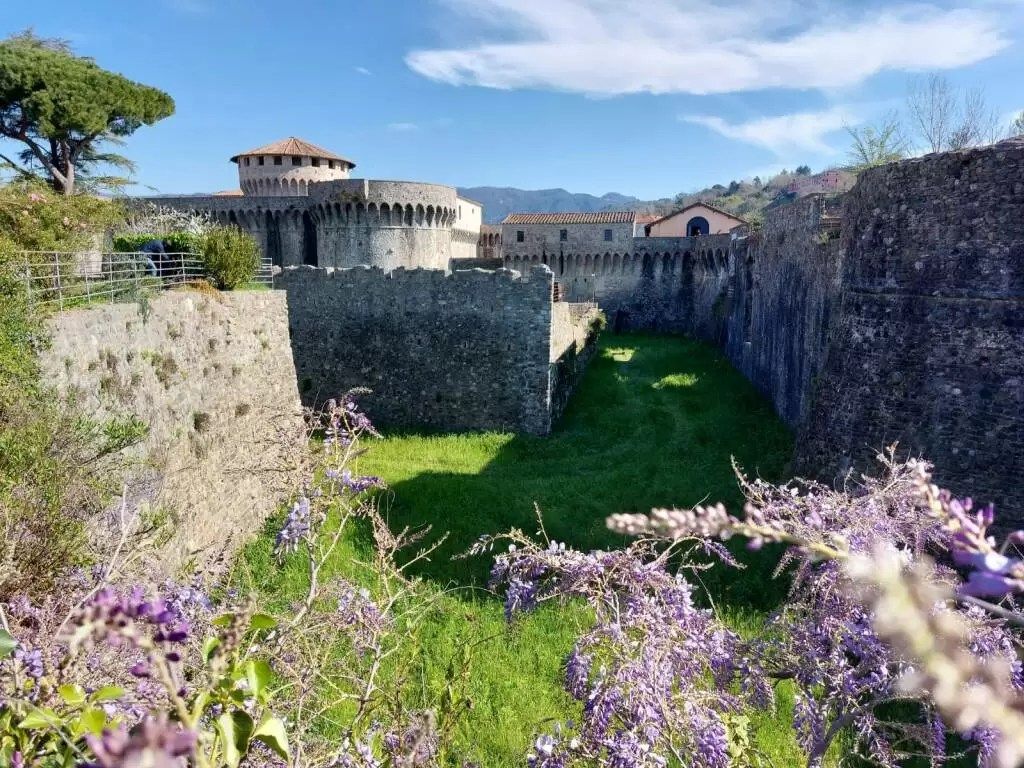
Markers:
<point>498,202</point>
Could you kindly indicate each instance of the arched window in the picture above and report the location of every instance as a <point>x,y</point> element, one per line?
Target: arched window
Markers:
<point>697,227</point>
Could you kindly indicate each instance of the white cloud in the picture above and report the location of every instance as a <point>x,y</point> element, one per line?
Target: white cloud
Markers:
<point>363,71</point>
<point>608,47</point>
<point>403,127</point>
<point>797,132</point>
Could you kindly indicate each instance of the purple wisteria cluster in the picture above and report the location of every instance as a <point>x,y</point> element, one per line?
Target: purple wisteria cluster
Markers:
<point>361,617</point>
<point>154,743</point>
<point>343,421</point>
<point>130,616</point>
<point>655,672</point>
<point>826,637</point>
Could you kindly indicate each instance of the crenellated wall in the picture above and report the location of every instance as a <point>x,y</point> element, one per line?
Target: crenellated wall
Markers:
<point>469,350</point>
<point>661,284</point>
<point>344,223</point>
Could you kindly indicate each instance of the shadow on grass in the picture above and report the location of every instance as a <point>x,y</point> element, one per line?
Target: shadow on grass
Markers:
<point>655,422</point>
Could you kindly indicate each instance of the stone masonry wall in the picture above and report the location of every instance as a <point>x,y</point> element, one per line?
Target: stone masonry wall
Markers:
<point>212,378</point>
<point>469,350</point>
<point>928,346</point>
<point>783,289</point>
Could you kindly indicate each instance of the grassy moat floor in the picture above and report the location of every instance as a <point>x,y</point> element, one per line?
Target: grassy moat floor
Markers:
<point>654,423</point>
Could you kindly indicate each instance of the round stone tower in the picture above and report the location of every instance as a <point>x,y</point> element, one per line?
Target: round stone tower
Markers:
<point>286,168</point>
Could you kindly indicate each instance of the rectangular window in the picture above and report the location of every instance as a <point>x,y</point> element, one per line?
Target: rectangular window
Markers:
<point>247,161</point>
<point>277,159</point>
<point>607,235</point>
<point>520,236</point>
<point>296,160</point>
<point>563,235</point>
<point>261,159</point>
<point>315,162</point>
<point>330,163</point>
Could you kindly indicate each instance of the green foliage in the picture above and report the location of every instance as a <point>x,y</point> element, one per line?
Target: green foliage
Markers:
<point>1017,126</point>
<point>33,218</point>
<point>62,107</point>
<point>177,242</point>
<point>230,256</point>
<point>879,144</point>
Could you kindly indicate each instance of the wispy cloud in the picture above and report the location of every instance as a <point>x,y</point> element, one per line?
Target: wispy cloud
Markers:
<point>782,134</point>
<point>403,127</point>
<point>363,71</point>
<point>608,47</point>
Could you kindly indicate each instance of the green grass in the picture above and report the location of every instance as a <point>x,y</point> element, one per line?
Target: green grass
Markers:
<point>654,423</point>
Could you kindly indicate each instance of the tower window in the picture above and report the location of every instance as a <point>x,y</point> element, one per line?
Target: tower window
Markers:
<point>330,163</point>
<point>277,159</point>
<point>520,236</point>
<point>315,162</point>
<point>607,235</point>
<point>262,159</point>
<point>296,160</point>
<point>563,235</point>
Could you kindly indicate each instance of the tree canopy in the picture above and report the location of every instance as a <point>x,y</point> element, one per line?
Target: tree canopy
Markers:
<point>62,107</point>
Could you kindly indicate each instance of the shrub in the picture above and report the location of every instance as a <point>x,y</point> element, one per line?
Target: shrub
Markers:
<point>177,242</point>
<point>230,256</point>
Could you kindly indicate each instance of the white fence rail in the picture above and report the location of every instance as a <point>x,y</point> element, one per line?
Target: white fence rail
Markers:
<point>68,280</point>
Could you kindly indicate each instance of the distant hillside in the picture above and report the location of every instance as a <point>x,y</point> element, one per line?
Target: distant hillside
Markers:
<point>498,202</point>
<point>748,198</point>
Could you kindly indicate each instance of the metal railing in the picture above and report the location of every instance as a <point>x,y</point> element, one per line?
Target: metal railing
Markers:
<point>67,280</point>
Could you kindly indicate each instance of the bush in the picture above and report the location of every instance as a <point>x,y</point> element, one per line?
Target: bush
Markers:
<point>177,242</point>
<point>230,256</point>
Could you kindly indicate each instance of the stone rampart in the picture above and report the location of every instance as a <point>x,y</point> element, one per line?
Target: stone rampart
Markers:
<point>783,290</point>
<point>928,344</point>
<point>212,378</point>
<point>469,350</point>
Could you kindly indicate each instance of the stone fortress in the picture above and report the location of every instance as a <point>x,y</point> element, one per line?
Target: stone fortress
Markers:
<point>893,312</point>
<point>301,204</point>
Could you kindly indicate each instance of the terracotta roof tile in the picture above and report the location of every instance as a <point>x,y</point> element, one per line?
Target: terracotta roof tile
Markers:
<point>293,146</point>
<point>601,217</point>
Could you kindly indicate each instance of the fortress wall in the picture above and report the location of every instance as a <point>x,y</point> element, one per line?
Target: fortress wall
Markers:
<point>573,344</point>
<point>928,344</point>
<point>212,378</point>
<point>470,350</point>
<point>784,284</point>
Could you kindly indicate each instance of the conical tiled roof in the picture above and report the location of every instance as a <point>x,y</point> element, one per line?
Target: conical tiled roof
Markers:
<point>294,146</point>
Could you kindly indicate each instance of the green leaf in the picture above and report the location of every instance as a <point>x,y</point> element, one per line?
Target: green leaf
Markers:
<point>209,646</point>
<point>93,720</point>
<point>40,718</point>
<point>7,644</point>
<point>258,674</point>
<point>224,620</point>
<point>235,729</point>
<point>272,732</point>
<point>72,694</point>
<point>262,621</point>
<point>107,693</point>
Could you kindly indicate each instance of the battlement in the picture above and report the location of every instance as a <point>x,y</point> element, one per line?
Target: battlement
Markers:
<point>467,350</point>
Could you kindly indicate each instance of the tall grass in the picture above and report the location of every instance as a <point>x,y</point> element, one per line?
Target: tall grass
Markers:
<point>655,422</point>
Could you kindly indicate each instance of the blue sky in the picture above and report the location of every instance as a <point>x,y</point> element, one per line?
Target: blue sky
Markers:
<point>642,97</point>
